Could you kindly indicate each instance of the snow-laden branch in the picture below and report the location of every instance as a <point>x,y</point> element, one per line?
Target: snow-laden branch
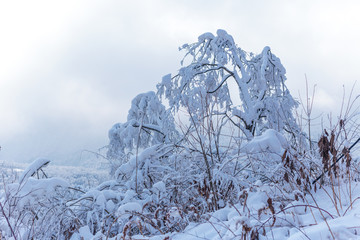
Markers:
<point>155,122</point>
<point>265,100</point>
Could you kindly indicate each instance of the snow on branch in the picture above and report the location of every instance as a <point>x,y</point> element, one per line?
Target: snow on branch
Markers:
<point>148,123</point>
<point>266,102</point>
<point>33,168</point>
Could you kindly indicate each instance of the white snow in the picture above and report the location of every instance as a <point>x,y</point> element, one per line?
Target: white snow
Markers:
<point>159,187</point>
<point>130,207</point>
<point>270,141</point>
<point>291,224</point>
<point>33,168</point>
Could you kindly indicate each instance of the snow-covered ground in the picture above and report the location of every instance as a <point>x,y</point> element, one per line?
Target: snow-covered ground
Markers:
<point>327,213</point>
<point>317,216</point>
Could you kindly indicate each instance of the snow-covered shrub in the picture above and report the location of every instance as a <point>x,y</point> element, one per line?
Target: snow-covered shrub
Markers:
<point>96,207</point>
<point>35,208</point>
<point>168,175</point>
<point>264,154</point>
<point>152,166</point>
<point>205,167</point>
<point>210,143</point>
<point>102,208</point>
<point>148,123</point>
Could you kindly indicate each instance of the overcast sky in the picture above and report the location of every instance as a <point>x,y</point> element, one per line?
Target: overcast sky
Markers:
<point>69,69</point>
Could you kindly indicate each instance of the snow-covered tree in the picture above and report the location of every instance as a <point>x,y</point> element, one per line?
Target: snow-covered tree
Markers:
<point>148,123</point>
<point>266,102</point>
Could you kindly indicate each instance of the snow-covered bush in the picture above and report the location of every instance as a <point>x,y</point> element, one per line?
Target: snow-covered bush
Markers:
<point>209,138</point>
<point>201,164</point>
<point>148,123</point>
<point>35,208</point>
